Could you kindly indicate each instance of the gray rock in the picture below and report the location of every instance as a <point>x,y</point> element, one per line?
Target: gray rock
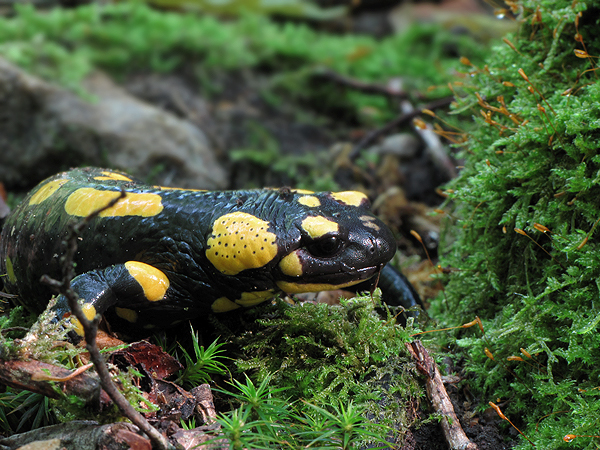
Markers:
<point>45,128</point>
<point>402,145</point>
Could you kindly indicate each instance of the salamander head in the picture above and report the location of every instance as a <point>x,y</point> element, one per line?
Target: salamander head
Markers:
<point>305,241</point>
<point>341,243</point>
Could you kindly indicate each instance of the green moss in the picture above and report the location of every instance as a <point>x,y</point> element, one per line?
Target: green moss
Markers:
<point>65,45</point>
<point>287,8</point>
<point>537,291</point>
<point>335,355</point>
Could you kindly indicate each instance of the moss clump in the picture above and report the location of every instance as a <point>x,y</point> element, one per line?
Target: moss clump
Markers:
<point>65,45</point>
<point>526,245</point>
<point>335,355</point>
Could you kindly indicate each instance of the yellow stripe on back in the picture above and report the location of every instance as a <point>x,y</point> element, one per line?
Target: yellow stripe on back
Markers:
<point>85,201</point>
<point>112,176</point>
<point>46,191</point>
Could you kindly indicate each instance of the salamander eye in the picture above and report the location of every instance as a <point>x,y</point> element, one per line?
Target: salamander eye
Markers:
<point>325,247</point>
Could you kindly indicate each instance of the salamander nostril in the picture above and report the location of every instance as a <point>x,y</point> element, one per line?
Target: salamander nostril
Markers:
<point>373,247</point>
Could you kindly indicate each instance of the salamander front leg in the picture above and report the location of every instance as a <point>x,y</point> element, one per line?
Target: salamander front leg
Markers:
<point>133,284</point>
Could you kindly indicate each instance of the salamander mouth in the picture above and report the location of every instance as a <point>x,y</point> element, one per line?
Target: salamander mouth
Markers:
<point>327,281</point>
<point>339,279</point>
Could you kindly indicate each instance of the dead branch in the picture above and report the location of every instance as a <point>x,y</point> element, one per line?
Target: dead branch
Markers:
<point>36,376</point>
<point>456,437</point>
<point>433,144</point>
<point>399,120</point>
<point>391,89</point>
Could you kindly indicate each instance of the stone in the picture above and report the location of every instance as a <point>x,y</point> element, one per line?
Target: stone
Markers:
<point>45,128</point>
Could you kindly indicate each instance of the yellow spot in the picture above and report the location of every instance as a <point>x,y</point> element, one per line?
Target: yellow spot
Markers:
<point>85,201</point>
<point>296,288</point>
<point>89,312</point>
<point>352,198</point>
<point>46,191</point>
<point>113,176</point>
<point>302,191</point>
<point>153,281</point>
<point>309,200</point>
<point>249,299</point>
<point>240,241</point>
<point>319,226</point>
<point>10,271</point>
<point>128,314</point>
<point>291,265</point>
<point>223,304</point>
<point>368,221</point>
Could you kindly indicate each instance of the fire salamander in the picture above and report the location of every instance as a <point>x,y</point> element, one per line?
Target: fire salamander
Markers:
<point>162,255</point>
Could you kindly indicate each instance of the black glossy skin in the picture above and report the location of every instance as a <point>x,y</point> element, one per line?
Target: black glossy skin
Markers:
<point>174,241</point>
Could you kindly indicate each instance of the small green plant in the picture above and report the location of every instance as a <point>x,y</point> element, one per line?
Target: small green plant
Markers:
<point>264,420</point>
<point>268,410</point>
<point>23,411</point>
<point>190,424</point>
<point>26,335</point>
<point>261,408</point>
<point>261,399</point>
<point>202,363</point>
<point>240,431</point>
<point>344,427</point>
<point>331,348</point>
<point>129,387</point>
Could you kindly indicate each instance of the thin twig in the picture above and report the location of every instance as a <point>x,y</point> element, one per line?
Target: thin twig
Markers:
<point>90,329</point>
<point>433,145</point>
<point>34,376</point>
<point>8,330</point>
<point>388,90</point>
<point>399,120</point>
<point>456,437</point>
